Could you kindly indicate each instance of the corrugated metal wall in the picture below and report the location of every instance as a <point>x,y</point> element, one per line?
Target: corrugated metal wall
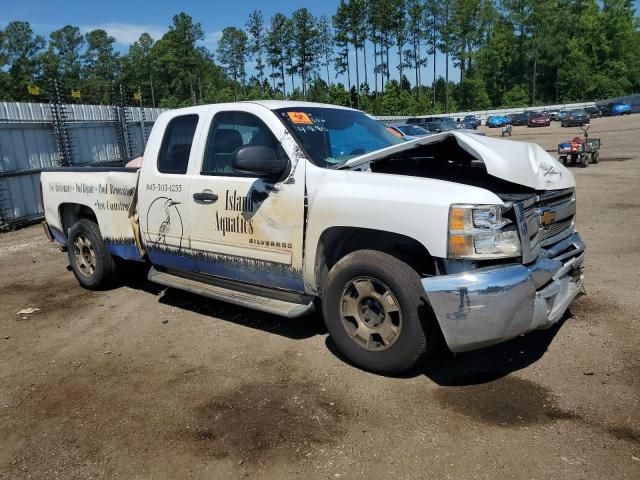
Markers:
<point>28,144</point>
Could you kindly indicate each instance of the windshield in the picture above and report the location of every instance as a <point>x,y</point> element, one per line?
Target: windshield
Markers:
<point>412,130</point>
<point>332,136</point>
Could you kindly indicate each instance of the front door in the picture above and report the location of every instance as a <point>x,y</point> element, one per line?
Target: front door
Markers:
<point>246,228</point>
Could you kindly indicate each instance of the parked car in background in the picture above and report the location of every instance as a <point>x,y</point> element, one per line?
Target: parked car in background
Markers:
<point>575,118</point>
<point>538,120</point>
<point>616,108</point>
<point>554,114</point>
<point>409,131</point>
<point>497,121</point>
<point>437,126</point>
<point>594,112</point>
<point>471,121</point>
<point>519,119</point>
<point>562,114</point>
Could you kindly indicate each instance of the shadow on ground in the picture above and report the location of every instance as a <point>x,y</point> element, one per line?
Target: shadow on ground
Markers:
<point>294,328</point>
<point>443,367</point>
<point>481,366</point>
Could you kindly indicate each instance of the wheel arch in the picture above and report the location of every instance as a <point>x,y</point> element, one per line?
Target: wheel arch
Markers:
<point>336,242</point>
<point>70,213</point>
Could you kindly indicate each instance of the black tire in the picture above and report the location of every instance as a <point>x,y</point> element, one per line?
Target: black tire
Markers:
<point>595,157</point>
<point>92,264</point>
<point>584,160</point>
<point>409,346</point>
<point>564,160</point>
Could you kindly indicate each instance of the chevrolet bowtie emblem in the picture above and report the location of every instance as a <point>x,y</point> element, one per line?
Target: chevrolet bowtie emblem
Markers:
<point>547,218</point>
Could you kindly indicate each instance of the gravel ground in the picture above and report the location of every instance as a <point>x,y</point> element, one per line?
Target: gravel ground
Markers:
<point>143,382</point>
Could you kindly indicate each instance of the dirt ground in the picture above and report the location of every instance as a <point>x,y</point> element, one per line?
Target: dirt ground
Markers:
<point>143,382</point>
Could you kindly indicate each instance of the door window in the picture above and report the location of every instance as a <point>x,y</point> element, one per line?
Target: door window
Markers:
<point>231,131</point>
<point>176,144</point>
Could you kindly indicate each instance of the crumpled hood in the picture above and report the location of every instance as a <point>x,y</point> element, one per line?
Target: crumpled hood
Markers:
<point>523,163</point>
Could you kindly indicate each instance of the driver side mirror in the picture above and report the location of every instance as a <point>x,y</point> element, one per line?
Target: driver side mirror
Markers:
<point>258,160</point>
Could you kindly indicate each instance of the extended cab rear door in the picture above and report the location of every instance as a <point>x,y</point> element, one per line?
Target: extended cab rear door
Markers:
<point>163,189</point>
<point>246,228</point>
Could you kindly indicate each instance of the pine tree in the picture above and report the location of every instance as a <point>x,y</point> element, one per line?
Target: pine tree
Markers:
<point>305,44</point>
<point>21,50</point>
<point>62,58</point>
<point>232,53</point>
<point>255,28</point>
<point>277,37</point>
<point>101,66</point>
<point>326,45</point>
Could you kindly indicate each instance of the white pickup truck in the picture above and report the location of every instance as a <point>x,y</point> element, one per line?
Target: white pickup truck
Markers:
<point>289,206</point>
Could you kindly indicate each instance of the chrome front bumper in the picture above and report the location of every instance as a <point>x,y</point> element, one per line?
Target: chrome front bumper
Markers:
<point>489,305</point>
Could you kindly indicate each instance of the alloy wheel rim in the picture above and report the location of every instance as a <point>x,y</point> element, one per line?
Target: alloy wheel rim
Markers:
<point>370,314</point>
<point>85,255</point>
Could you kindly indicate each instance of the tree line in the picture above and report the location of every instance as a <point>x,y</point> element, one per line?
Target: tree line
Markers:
<point>507,53</point>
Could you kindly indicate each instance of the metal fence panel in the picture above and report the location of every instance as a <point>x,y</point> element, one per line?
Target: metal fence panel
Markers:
<point>94,142</point>
<point>28,144</point>
<point>23,193</point>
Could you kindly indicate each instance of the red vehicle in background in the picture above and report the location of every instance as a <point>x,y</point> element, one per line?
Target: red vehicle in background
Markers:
<point>538,120</point>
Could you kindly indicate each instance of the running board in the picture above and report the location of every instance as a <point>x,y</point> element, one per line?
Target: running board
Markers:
<point>256,302</point>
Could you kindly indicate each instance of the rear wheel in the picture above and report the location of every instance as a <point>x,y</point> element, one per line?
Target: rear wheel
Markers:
<point>372,307</point>
<point>91,262</point>
<point>595,157</point>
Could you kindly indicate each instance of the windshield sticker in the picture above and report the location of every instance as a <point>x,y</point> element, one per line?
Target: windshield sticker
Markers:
<point>312,128</point>
<point>300,118</point>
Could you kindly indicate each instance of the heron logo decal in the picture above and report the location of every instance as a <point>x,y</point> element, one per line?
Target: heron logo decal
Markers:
<point>164,223</point>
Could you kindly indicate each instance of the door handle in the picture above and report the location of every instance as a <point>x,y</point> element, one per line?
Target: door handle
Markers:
<point>206,196</point>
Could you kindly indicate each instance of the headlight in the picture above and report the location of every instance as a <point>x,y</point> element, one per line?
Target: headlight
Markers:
<point>481,232</point>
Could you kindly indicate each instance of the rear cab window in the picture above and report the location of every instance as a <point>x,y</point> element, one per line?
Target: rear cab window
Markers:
<point>176,144</point>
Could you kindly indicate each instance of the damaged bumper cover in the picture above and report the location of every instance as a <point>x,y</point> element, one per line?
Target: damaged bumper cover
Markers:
<point>490,305</point>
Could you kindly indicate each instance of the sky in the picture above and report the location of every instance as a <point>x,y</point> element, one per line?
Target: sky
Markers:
<point>126,20</point>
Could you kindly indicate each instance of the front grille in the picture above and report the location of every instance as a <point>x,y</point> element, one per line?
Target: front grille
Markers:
<point>549,202</point>
<point>530,215</point>
<point>550,231</point>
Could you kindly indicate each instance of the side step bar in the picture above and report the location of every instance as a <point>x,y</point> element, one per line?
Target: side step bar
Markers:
<point>256,302</point>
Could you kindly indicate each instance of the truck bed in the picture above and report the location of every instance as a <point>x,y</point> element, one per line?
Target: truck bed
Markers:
<point>105,193</point>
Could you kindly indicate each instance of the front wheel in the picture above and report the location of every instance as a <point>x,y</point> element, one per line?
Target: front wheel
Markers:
<point>595,157</point>
<point>372,307</point>
<point>91,262</point>
<point>584,160</point>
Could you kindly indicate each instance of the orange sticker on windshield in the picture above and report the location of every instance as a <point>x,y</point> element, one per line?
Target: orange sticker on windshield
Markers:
<point>300,118</point>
